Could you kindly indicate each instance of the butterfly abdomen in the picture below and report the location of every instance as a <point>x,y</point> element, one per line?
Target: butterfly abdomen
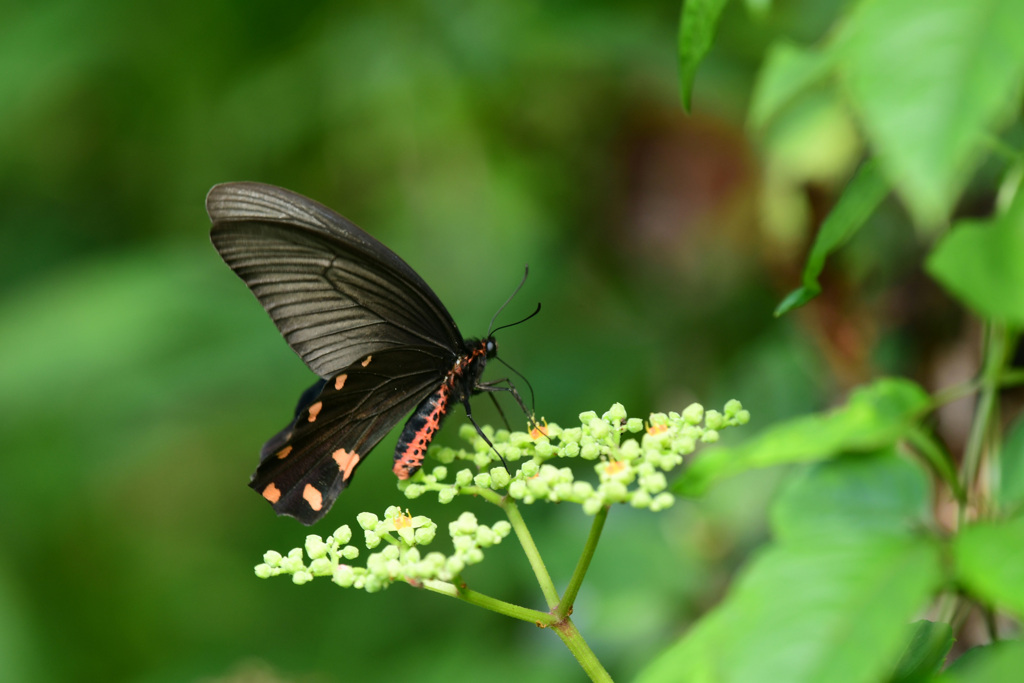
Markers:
<point>419,430</point>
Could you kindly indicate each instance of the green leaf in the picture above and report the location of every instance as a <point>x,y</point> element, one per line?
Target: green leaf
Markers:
<point>981,263</point>
<point>990,562</point>
<point>926,652</point>
<point>930,79</point>
<point>998,663</point>
<point>862,196</point>
<point>788,70</point>
<point>878,494</point>
<point>831,598</point>
<point>832,613</point>
<point>696,31</point>
<point>875,416</point>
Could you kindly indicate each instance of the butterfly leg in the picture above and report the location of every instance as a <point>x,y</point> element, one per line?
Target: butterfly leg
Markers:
<point>469,414</point>
<point>505,384</point>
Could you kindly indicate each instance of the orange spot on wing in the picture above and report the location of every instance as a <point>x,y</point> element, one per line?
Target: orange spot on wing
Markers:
<point>272,493</point>
<point>283,453</point>
<point>367,361</point>
<point>312,496</point>
<point>339,381</point>
<point>314,410</point>
<point>347,461</point>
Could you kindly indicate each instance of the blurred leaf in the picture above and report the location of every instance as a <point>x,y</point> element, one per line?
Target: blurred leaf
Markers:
<point>696,31</point>
<point>820,605</point>
<point>929,79</point>
<point>926,652</point>
<point>981,262</point>
<point>990,562</point>
<point>876,416</point>
<point>788,70</point>
<point>862,196</point>
<point>875,495</point>
<point>1001,662</point>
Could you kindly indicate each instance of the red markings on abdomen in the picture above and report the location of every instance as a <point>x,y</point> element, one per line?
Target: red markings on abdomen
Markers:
<point>419,431</point>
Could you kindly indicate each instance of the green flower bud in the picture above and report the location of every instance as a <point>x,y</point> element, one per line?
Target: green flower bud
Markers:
<point>483,480</point>
<point>372,539</point>
<point>713,420</point>
<point>634,425</point>
<point>272,558</point>
<point>502,528</point>
<point>663,501</point>
<point>414,491</point>
<point>517,489</point>
<point>367,520</point>
<point>301,577</point>
<point>599,429</point>
<point>440,472</point>
<point>591,506</point>
<point>321,567</point>
<point>640,499</point>
<point>500,478</point>
<point>343,534</point>
<point>464,478</point>
<point>530,468</point>
<point>710,436</point>
<point>264,571</point>
<point>344,576</point>
<point>425,535</point>
<point>617,413</point>
<point>447,494</point>
<point>586,417</point>
<point>350,552</point>
<point>590,451</point>
<point>693,413</point>
<point>315,547</point>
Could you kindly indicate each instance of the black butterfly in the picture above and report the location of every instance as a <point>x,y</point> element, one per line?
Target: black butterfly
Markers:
<point>361,319</point>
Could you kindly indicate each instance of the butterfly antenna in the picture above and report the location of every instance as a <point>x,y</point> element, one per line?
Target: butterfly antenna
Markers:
<point>490,328</point>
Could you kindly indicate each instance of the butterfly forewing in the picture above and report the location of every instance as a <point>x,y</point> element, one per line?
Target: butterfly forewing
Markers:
<point>306,466</point>
<point>335,292</point>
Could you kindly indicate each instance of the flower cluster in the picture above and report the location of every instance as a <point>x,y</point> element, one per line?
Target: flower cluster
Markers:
<point>399,560</point>
<point>629,470</point>
<point>629,457</point>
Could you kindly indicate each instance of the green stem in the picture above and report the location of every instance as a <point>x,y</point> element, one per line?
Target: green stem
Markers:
<point>487,602</point>
<point>955,393</point>
<point>992,366</point>
<point>938,459</point>
<point>570,635</point>
<point>547,586</point>
<point>569,597</point>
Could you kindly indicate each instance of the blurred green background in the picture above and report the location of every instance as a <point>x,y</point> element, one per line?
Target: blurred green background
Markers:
<point>140,378</point>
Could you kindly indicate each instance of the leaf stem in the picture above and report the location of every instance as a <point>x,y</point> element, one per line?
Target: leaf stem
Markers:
<point>547,586</point>
<point>570,635</point>
<point>569,597</point>
<point>487,602</point>
<point>992,365</point>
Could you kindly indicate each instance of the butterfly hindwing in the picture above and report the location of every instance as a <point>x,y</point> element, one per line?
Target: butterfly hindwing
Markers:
<point>304,467</point>
<point>335,292</point>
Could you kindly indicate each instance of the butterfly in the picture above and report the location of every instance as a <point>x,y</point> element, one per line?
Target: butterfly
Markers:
<point>360,317</point>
